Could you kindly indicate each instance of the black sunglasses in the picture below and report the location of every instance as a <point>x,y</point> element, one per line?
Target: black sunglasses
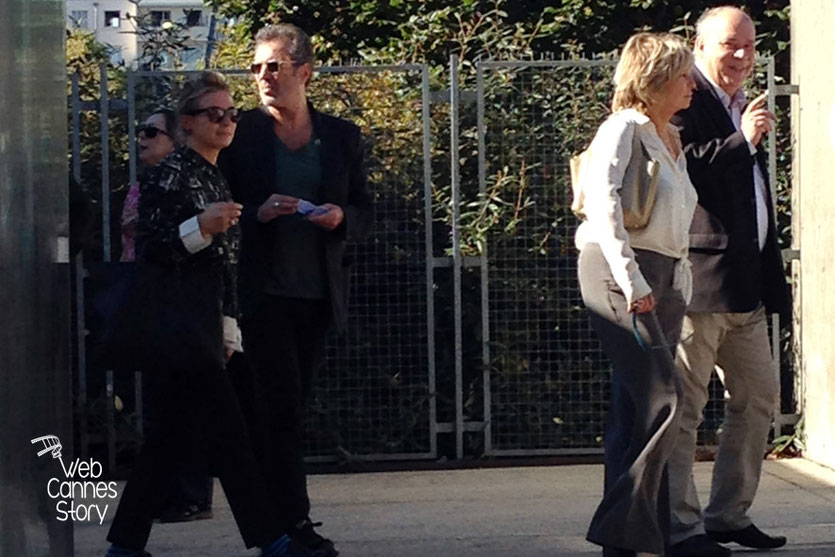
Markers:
<point>273,66</point>
<point>150,132</point>
<point>216,115</point>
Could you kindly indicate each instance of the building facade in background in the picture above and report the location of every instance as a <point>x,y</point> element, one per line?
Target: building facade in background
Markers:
<point>114,22</point>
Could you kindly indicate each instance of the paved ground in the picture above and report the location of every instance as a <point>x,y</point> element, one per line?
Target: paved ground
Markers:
<point>508,512</point>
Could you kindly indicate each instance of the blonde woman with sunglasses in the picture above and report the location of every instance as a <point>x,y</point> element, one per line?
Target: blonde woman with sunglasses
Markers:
<point>187,243</point>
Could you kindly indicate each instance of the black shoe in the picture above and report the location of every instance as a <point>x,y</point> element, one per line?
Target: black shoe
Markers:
<point>186,514</point>
<point>303,534</point>
<point>699,546</point>
<point>749,537</point>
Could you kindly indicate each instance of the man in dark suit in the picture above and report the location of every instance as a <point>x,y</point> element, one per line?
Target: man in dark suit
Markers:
<point>301,178</point>
<point>738,279</point>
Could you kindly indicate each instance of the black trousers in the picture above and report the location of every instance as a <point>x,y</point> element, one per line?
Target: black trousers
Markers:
<point>189,488</point>
<point>197,426</point>
<point>634,515</point>
<point>284,342</point>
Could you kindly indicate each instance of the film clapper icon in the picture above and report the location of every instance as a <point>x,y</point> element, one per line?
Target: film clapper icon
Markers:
<point>50,444</point>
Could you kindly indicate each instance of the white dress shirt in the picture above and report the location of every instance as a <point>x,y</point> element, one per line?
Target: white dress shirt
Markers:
<point>735,106</point>
<point>668,230</point>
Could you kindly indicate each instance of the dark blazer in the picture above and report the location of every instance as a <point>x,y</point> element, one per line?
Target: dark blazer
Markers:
<point>730,273</point>
<point>249,165</point>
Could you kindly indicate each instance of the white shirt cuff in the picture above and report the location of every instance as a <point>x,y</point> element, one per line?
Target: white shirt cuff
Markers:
<point>232,334</point>
<point>751,147</point>
<point>191,236</point>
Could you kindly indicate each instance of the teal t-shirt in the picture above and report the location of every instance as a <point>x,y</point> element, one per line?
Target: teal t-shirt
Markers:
<point>298,269</point>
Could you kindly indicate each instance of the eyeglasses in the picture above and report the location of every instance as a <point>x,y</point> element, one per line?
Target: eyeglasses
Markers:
<point>150,132</point>
<point>216,115</point>
<point>273,66</point>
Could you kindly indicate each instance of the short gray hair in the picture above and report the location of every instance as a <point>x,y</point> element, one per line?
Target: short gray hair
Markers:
<point>301,49</point>
<point>704,20</point>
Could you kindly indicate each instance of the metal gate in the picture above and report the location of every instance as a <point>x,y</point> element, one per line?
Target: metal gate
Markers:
<point>545,379</point>
<point>467,335</point>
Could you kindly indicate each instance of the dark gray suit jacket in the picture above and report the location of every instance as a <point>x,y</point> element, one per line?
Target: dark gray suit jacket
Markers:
<point>249,166</point>
<point>730,273</point>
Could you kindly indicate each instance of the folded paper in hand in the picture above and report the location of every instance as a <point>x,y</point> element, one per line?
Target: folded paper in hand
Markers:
<point>309,209</point>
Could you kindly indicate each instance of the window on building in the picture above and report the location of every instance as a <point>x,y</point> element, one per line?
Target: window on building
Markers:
<point>111,19</point>
<point>158,17</point>
<point>192,56</point>
<point>194,18</point>
<point>78,19</point>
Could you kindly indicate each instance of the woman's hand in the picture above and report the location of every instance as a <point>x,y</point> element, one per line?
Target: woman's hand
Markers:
<point>643,305</point>
<point>219,217</point>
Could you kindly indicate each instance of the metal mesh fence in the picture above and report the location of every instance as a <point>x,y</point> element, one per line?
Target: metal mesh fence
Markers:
<point>372,398</point>
<point>548,378</point>
<point>508,355</point>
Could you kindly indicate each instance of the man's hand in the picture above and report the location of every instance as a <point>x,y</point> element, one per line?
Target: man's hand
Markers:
<point>330,219</point>
<point>219,217</point>
<point>643,305</point>
<point>275,205</point>
<point>756,120</point>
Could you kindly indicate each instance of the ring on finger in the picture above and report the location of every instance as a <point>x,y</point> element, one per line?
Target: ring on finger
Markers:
<point>276,204</point>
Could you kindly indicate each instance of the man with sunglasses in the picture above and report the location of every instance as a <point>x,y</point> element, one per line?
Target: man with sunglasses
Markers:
<point>301,178</point>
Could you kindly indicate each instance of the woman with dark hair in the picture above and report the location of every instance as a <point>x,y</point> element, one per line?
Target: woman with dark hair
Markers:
<point>156,138</point>
<point>187,237</point>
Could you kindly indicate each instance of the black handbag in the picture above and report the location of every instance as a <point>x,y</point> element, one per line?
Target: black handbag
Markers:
<point>168,318</point>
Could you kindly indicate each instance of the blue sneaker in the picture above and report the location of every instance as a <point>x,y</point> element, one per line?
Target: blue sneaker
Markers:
<point>285,547</point>
<point>117,551</point>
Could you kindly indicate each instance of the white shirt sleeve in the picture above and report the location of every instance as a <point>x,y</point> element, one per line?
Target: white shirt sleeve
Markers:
<point>232,334</point>
<point>611,151</point>
<point>191,236</point>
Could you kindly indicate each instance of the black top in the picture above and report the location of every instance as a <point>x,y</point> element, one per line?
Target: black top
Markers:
<point>299,248</point>
<point>178,188</point>
<point>730,273</point>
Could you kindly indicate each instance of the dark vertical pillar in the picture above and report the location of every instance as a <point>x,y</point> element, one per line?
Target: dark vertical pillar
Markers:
<point>35,378</point>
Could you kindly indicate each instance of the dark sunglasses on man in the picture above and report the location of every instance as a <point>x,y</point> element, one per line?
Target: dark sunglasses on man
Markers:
<point>216,115</point>
<point>150,132</point>
<point>273,66</point>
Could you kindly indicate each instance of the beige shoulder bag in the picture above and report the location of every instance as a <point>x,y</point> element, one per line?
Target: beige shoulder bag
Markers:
<point>637,193</point>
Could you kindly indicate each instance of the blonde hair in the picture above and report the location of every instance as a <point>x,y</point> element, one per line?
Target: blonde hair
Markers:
<point>647,62</point>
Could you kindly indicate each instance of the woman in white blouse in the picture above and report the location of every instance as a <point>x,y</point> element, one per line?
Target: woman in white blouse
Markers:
<point>636,284</point>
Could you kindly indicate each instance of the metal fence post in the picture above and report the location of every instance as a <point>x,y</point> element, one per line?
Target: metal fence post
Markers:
<point>80,326</point>
<point>104,117</point>
<point>485,284</point>
<point>454,95</point>
<point>426,115</point>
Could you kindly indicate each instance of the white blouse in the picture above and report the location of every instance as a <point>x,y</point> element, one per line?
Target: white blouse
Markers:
<point>668,230</point>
